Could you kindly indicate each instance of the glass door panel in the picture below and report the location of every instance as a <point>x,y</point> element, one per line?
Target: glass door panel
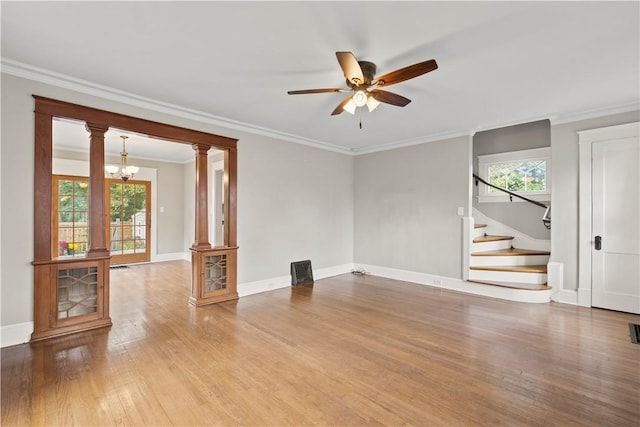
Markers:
<point>130,214</point>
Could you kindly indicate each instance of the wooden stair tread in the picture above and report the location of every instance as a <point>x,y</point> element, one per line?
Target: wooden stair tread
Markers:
<point>513,268</point>
<point>513,285</point>
<point>511,252</point>
<point>479,225</point>
<point>488,238</point>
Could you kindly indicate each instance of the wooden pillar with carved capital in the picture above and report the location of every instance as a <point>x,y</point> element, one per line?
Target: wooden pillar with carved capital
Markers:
<point>97,202</point>
<point>202,209</point>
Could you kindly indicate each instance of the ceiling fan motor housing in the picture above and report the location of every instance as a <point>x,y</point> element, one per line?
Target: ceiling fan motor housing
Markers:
<point>368,72</point>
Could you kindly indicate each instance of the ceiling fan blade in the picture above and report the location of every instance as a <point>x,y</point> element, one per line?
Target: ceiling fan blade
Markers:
<point>389,97</point>
<point>350,67</point>
<point>300,92</point>
<point>407,73</point>
<point>339,109</point>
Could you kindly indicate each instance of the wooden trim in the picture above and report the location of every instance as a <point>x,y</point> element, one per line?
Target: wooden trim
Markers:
<point>71,329</point>
<point>157,130</point>
<point>98,122</point>
<point>46,323</point>
<point>231,205</point>
<point>97,201</point>
<point>43,163</point>
<point>202,198</point>
<point>542,269</point>
<point>199,295</point>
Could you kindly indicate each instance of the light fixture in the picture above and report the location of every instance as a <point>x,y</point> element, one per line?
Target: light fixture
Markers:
<point>360,99</point>
<point>124,172</point>
<point>372,103</point>
<point>350,107</point>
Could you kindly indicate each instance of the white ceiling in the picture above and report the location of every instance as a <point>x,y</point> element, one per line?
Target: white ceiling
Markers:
<point>232,63</point>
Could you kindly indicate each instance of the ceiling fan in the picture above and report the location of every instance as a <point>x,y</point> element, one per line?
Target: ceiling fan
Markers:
<point>361,81</point>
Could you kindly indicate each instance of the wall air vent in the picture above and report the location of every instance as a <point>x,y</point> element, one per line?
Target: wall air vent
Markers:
<point>301,273</point>
<point>634,332</point>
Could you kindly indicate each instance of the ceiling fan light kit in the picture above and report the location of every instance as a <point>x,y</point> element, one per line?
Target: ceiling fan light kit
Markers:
<point>359,98</point>
<point>360,78</point>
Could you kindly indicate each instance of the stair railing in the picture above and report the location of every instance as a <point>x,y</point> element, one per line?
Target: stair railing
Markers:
<point>546,218</point>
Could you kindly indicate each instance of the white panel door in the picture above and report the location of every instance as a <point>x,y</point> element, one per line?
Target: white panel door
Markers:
<point>616,225</point>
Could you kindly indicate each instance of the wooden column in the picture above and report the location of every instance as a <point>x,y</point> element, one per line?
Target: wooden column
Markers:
<point>97,202</point>
<point>42,189</point>
<point>202,209</point>
<point>231,204</point>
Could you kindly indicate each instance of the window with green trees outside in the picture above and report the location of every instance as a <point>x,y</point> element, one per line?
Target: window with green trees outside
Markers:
<point>71,207</point>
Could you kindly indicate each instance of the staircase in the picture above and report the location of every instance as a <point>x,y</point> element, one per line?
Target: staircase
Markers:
<point>494,261</point>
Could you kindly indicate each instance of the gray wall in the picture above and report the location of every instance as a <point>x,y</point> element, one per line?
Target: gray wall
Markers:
<point>406,207</point>
<point>294,201</point>
<point>298,201</point>
<point>521,216</point>
<point>188,205</point>
<point>564,190</point>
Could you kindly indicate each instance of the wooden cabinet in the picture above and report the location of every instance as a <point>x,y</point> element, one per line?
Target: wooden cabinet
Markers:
<point>70,296</point>
<point>214,278</point>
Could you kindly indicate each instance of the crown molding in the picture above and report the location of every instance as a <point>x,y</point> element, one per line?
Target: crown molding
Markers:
<point>41,75</point>
<point>597,112</point>
<point>29,72</point>
<point>413,141</point>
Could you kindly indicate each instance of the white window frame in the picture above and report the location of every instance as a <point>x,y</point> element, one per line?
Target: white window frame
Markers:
<point>485,196</point>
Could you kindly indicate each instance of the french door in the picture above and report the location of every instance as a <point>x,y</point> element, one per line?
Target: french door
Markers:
<point>129,231</point>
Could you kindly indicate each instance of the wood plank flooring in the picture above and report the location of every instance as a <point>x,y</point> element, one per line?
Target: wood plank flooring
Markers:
<point>349,350</point>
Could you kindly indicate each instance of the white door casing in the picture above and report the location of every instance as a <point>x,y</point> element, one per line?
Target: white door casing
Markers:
<point>610,208</point>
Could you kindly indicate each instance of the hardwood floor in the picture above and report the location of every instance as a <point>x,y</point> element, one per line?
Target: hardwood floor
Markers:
<point>348,350</point>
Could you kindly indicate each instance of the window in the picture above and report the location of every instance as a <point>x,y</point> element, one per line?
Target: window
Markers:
<point>526,172</point>
<point>71,218</point>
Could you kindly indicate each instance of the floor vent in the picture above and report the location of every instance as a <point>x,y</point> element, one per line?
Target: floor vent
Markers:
<point>634,331</point>
<point>301,273</point>
<point>118,267</point>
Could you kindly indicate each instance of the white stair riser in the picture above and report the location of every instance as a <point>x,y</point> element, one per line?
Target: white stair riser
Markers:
<point>479,232</point>
<point>508,276</point>
<point>509,260</point>
<point>490,246</point>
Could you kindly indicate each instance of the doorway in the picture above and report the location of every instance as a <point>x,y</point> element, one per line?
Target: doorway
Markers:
<point>129,221</point>
<point>609,227</point>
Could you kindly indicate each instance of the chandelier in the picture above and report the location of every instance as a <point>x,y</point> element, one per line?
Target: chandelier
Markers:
<point>124,172</point>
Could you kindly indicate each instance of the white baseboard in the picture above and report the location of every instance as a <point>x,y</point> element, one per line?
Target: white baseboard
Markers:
<point>171,257</point>
<point>520,295</point>
<point>565,296</point>
<point>584,297</point>
<point>19,333</point>
<point>250,288</point>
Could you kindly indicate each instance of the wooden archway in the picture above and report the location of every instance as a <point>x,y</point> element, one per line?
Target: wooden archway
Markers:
<point>213,268</point>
